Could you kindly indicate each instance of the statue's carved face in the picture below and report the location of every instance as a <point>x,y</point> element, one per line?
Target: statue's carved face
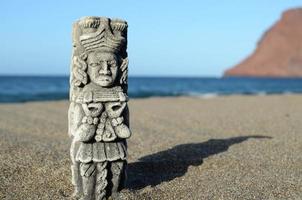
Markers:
<point>102,68</point>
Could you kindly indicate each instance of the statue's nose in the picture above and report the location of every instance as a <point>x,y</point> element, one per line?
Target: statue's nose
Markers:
<point>105,69</point>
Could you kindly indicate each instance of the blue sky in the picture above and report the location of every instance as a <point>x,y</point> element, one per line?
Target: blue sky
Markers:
<point>166,38</point>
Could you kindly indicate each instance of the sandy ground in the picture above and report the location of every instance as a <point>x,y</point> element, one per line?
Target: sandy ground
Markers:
<point>236,147</point>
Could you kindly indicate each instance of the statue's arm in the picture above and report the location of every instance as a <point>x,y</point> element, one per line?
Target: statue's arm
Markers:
<point>75,116</point>
<point>79,129</point>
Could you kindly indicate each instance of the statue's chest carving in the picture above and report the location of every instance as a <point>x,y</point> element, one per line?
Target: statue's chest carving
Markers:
<point>105,121</point>
<point>91,94</point>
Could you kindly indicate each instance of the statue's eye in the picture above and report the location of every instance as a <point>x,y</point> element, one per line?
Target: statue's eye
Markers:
<point>94,64</point>
<point>112,62</point>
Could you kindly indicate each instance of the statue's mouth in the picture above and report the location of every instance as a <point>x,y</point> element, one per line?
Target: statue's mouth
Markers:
<point>105,78</point>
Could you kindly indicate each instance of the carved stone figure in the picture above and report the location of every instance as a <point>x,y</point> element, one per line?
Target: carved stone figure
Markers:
<point>98,113</point>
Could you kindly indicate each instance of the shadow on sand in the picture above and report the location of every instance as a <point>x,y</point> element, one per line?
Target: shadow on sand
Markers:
<point>172,163</point>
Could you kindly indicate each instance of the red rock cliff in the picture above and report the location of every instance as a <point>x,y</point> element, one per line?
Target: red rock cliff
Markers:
<point>278,53</point>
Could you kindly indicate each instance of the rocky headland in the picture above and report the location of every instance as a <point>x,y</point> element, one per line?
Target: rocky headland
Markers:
<point>279,51</point>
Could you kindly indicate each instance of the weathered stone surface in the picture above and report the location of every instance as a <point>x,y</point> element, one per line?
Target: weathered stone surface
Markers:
<point>279,52</point>
<point>98,112</point>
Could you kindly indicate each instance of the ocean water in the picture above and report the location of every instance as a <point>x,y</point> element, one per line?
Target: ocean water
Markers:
<point>41,88</point>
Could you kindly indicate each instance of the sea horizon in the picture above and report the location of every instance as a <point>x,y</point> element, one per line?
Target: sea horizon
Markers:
<point>24,88</point>
<point>163,76</point>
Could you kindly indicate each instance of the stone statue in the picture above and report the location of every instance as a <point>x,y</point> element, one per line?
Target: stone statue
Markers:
<point>98,113</point>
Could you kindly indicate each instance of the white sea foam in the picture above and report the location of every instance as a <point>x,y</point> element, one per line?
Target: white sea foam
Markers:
<point>209,95</point>
<point>287,93</point>
<point>261,93</point>
<point>204,95</point>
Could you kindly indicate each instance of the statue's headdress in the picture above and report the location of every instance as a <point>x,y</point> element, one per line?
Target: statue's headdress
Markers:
<point>102,34</point>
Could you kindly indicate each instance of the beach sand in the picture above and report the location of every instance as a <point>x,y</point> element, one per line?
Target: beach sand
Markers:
<point>233,147</point>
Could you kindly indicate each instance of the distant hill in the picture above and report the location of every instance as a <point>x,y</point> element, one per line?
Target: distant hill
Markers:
<point>278,53</point>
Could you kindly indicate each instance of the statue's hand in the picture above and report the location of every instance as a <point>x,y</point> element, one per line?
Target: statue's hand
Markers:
<point>85,132</point>
<point>121,130</point>
<point>115,109</point>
